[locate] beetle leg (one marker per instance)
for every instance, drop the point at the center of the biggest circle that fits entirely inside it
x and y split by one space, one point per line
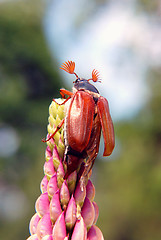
88 166
92 148
107 125
57 129
64 92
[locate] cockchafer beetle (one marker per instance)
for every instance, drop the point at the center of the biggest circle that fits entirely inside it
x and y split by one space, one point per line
86 114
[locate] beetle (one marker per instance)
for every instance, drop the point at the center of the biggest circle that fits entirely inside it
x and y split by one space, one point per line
87 113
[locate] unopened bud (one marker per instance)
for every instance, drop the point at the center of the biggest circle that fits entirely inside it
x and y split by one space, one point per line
71 212
59 229
52 185
49 169
42 204
55 207
44 226
64 195
88 212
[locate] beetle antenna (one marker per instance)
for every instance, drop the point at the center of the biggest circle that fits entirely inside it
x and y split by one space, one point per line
69 67
95 76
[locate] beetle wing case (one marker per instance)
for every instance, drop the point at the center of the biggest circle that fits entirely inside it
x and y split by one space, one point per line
107 125
80 120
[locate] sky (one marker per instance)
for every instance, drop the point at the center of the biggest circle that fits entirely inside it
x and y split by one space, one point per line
112 38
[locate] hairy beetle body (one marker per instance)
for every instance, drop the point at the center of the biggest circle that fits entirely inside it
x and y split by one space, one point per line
87 113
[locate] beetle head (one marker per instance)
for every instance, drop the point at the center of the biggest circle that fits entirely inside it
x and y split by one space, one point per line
83 84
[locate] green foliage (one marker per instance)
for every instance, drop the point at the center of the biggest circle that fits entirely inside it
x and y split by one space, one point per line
132 190
28 82
149 6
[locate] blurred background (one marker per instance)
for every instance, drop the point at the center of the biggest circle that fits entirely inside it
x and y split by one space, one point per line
121 39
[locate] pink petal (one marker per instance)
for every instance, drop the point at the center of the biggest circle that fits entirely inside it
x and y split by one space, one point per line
42 204
90 190
96 212
56 157
48 153
95 233
80 231
51 142
71 214
55 153
79 195
52 185
55 207
33 223
59 229
43 184
44 226
64 195
49 169
88 212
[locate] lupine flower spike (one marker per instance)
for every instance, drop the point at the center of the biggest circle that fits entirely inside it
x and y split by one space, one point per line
65 209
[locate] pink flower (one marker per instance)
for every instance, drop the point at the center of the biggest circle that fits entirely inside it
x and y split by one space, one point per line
64 210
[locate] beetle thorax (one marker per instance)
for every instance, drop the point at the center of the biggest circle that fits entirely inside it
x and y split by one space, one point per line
83 85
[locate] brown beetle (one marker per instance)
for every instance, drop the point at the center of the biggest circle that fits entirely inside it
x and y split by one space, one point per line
87 113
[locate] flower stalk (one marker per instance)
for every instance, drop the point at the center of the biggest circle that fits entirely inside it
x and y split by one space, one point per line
64 210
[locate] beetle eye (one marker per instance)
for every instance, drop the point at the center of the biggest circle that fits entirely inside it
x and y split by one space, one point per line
76 81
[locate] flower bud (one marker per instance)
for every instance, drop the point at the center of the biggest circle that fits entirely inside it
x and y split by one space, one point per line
72 181
43 184
33 223
51 142
56 157
90 190
88 212
49 168
94 233
60 174
59 229
96 212
71 212
42 204
80 231
44 226
48 153
61 147
64 195
55 207
52 185
79 195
